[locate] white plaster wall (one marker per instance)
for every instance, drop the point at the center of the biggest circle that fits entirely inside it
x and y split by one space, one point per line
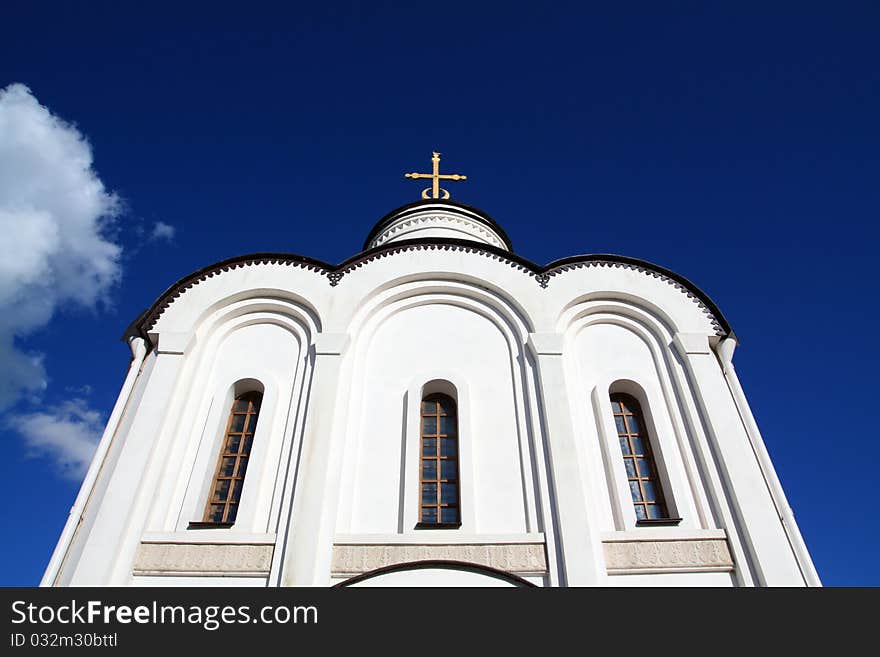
418 344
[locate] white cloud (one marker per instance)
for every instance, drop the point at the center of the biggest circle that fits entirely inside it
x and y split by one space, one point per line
163 231
67 434
55 214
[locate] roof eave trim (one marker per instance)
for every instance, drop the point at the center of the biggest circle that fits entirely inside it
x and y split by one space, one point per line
141 326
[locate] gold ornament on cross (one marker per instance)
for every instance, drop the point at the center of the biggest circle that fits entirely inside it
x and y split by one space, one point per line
435 190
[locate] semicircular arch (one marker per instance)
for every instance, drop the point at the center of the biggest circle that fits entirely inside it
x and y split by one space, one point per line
439 564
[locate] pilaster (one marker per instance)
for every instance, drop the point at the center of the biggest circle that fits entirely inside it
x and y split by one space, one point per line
582 563
759 522
309 533
115 533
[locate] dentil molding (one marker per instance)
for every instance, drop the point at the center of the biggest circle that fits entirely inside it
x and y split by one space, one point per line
450 220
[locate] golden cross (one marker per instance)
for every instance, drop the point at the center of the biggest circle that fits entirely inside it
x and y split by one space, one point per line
435 177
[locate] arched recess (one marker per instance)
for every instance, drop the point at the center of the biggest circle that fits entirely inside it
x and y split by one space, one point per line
439 573
258 339
460 308
613 342
505 304
682 315
281 302
193 306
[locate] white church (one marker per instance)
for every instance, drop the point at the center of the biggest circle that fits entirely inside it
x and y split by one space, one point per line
434 411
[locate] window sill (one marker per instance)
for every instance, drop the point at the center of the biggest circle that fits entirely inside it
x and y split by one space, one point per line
209 525
438 525
658 522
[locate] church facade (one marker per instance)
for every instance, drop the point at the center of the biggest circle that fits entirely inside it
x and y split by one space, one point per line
435 410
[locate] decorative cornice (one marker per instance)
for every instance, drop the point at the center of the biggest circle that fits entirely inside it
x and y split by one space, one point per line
149 317
542 275
446 205
517 558
556 271
448 219
203 559
335 273
435 244
659 556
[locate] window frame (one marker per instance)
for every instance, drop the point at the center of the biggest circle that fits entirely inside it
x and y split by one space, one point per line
422 383
631 406
244 450
438 436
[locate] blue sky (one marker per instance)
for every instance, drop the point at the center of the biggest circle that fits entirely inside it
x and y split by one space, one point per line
736 145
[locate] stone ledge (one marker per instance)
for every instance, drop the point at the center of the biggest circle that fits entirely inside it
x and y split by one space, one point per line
667 556
516 558
203 559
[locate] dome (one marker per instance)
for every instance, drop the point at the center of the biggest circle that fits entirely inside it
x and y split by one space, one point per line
438 218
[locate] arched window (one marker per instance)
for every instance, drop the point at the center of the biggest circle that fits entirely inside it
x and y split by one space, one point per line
222 507
438 463
641 470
